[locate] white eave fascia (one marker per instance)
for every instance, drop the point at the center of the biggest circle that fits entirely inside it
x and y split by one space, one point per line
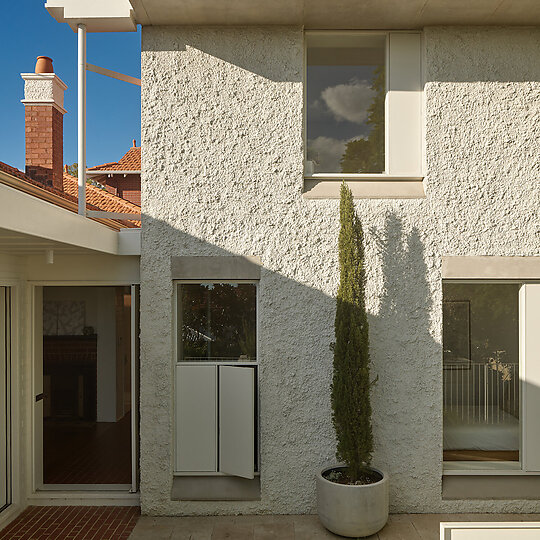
97 15
129 242
29 215
103 171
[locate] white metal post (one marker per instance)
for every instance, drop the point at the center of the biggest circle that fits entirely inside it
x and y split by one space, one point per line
81 116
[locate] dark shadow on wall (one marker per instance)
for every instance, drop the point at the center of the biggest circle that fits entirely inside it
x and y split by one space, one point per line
482 54
406 356
240 47
296 327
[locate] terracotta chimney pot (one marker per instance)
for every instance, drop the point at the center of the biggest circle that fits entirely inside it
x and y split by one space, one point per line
44 65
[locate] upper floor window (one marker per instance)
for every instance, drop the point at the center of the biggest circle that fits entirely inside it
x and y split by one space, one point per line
363 103
346 89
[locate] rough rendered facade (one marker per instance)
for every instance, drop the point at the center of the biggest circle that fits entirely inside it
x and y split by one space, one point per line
222 117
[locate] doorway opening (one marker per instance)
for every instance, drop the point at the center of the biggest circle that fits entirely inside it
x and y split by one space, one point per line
89 407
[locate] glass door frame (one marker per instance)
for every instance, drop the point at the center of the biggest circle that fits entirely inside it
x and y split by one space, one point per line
37 484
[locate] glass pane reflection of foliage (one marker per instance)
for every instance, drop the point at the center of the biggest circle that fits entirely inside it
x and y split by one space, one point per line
367 155
346 92
218 321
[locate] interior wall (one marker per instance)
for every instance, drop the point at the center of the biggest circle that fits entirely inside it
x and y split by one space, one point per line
100 314
494 314
73 268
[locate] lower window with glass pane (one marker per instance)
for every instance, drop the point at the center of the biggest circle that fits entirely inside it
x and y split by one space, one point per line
481 375
216 379
217 321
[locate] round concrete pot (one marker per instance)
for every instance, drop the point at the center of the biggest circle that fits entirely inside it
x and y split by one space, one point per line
352 511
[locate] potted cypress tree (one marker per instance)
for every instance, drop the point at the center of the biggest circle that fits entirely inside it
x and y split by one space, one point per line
352 496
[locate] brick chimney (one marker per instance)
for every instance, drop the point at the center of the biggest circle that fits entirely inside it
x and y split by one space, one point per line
44 123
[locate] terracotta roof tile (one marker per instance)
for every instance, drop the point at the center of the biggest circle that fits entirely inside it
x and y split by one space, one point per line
130 161
22 176
96 198
101 199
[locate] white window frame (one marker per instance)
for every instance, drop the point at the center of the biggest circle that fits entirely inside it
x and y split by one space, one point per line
217 363
396 166
504 468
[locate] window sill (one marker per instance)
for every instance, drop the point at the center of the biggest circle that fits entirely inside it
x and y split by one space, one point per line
364 186
476 468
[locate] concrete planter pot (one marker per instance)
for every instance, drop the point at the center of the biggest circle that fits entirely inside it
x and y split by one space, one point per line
352 511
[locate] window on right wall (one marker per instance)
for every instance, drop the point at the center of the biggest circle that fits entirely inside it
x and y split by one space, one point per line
363 104
491 376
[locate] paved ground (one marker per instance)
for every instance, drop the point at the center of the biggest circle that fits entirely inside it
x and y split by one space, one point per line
74 522
399 527
116 523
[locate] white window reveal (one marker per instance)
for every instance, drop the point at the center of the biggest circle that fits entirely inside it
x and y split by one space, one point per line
363 105
216 379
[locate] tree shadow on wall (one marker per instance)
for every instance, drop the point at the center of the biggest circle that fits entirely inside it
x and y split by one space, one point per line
296 327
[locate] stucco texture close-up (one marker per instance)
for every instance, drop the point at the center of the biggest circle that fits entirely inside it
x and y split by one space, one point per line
222 117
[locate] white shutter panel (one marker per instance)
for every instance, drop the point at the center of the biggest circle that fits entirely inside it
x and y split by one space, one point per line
237 420
404 105
196 419
530 359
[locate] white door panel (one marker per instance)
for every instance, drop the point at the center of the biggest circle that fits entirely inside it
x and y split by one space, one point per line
196 418
236 420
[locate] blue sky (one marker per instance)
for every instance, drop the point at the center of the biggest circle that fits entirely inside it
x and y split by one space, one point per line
113 107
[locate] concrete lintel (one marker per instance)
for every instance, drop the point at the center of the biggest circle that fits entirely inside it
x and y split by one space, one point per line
485 267
226 267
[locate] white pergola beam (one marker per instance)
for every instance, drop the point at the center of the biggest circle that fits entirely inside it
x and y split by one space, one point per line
113 215
81 117
113 74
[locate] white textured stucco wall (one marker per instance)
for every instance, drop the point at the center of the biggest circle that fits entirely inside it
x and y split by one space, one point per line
222 175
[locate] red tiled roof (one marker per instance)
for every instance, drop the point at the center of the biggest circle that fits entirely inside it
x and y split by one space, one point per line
101 199
130 161
21 176
96 198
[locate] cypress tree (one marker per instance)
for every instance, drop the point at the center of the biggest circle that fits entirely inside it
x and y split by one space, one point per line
351 385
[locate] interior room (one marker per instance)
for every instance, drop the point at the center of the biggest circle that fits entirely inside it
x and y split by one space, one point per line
87 385
481 372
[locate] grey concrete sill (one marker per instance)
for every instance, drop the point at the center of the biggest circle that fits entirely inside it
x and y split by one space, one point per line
215 488
365 187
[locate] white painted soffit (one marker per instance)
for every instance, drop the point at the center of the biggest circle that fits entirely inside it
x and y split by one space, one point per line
97 15
23 214
338 14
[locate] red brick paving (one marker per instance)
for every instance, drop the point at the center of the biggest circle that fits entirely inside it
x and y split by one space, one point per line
73 522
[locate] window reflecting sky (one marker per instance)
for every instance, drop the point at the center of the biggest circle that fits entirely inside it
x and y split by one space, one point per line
344 105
